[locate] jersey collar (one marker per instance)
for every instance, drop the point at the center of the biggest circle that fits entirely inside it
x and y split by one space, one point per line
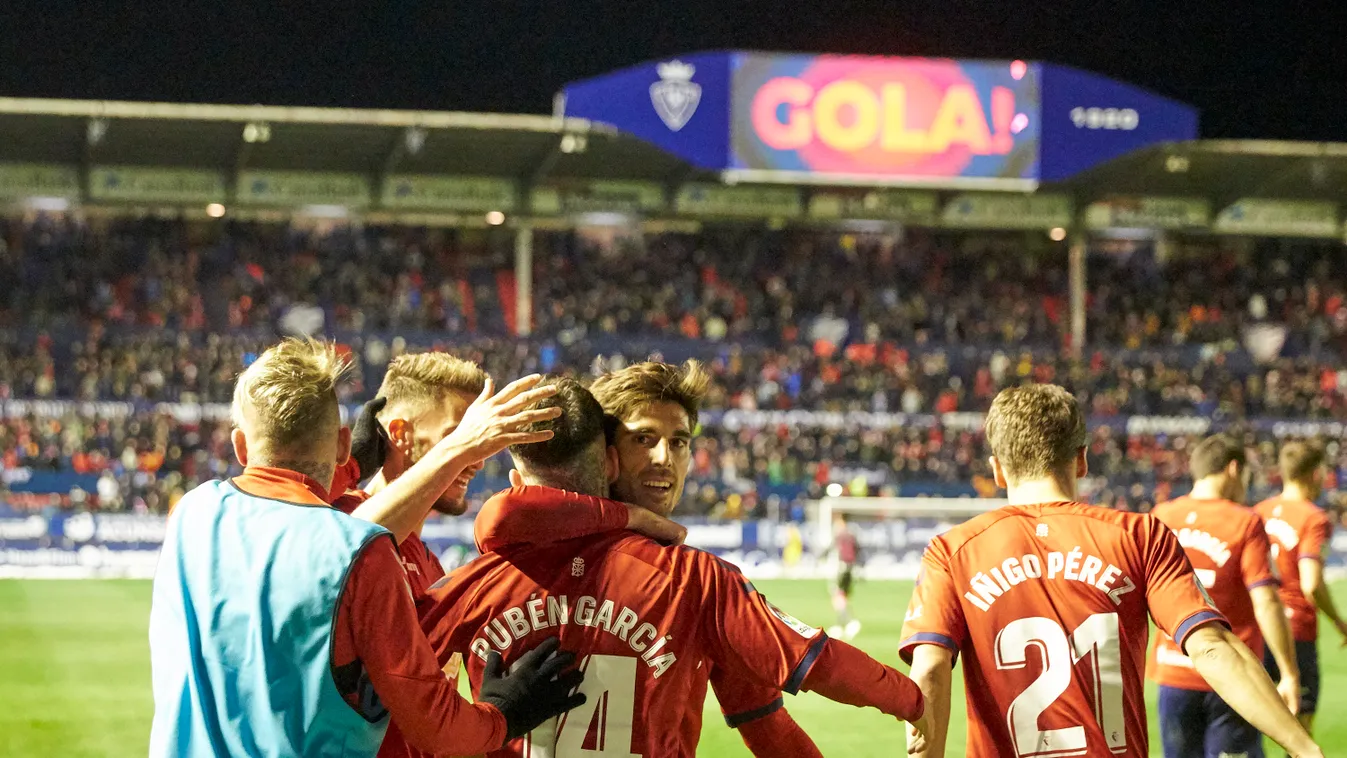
281 484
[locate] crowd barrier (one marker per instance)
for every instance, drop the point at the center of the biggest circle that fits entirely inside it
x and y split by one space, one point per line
87 545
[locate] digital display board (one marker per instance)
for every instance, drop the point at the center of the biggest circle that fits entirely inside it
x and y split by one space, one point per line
869 120
884 118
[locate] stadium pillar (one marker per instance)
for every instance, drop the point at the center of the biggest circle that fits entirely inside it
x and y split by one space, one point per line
1076 272
523 277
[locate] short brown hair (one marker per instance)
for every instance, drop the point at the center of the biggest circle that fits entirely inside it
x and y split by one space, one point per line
570 460
623 392
419 379
1035 430
1213 454
289 394
1299 460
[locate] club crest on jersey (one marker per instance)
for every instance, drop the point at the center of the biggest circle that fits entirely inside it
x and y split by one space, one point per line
675 96
801 628
1041 530
578 567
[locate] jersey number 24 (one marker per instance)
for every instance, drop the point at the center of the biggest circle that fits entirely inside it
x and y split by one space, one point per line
609 711
1096 637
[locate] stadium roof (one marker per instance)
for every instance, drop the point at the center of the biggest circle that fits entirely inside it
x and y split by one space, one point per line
325 139
1220 170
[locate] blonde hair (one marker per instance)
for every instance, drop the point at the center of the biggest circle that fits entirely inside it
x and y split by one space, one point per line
288 396
623 392
1035 430
1299 461
419 379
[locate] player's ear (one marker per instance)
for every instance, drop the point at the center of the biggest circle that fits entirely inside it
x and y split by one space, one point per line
516 478
343 446
400 432
1082 463
240 446
998 473
611 464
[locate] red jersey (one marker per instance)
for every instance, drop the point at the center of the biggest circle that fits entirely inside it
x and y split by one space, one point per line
421 569
1228 547
648 621
1299 531
1047 605
758 712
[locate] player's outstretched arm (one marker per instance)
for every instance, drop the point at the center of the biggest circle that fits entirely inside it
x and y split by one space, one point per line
1276 628
1240 680
932 670
844 674
542 515
492 423
750 638
759 714
1316 590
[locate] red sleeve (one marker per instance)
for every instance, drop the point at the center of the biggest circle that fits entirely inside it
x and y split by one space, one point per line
346 477
1177 601
1317 537
749 637
743 701
846 675
440 610
935 613
1255 561
541 516
386 642
777 734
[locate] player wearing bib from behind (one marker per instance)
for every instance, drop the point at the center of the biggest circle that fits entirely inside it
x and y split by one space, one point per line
1300 532
651 620
1228 547
1047 599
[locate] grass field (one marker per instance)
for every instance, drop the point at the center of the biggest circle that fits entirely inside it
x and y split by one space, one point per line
75 674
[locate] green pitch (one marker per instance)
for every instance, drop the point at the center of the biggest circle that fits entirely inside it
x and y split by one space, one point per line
75 673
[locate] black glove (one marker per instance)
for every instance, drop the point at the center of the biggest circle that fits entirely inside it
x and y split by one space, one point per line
533 692
369 441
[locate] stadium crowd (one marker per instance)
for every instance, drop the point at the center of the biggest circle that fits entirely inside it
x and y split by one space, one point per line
722 283
154 311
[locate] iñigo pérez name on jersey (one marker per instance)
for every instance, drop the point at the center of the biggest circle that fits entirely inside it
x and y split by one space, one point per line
1074 566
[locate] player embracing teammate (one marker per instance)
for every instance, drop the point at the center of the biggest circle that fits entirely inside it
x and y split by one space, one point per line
651 622
1047 602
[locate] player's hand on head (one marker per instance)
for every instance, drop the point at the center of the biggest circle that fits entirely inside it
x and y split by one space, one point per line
497 420
655 526
369 441
539 686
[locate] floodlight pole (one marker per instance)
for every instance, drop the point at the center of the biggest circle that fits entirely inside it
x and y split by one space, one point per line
523 280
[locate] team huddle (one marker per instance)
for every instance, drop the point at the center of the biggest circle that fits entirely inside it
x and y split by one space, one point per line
286 622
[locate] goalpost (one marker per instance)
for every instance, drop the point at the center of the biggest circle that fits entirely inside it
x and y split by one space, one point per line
892 531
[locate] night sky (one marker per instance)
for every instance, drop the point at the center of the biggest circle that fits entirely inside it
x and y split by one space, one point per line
1252 70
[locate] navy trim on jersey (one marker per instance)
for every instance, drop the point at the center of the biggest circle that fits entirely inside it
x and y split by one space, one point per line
932 638
1194 621
796 679
1266 582
736 720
